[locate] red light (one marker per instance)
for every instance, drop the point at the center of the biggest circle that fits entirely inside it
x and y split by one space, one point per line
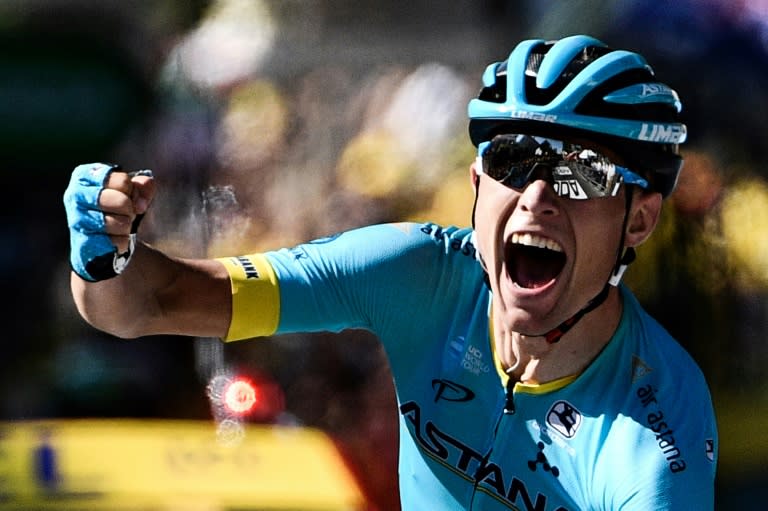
240 396
254 398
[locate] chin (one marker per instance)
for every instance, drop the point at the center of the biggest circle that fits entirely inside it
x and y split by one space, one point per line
520 321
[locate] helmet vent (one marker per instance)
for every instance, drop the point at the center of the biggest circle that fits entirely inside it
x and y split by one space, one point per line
538 96
496 93
534 63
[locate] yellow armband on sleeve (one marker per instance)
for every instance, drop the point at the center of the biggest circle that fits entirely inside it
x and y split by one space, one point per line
255 297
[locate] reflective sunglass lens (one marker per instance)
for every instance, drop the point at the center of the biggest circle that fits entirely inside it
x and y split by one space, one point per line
574 171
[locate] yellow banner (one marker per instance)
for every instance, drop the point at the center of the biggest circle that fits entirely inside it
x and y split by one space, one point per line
145 464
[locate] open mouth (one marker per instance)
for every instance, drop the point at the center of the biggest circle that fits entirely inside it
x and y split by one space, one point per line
533 261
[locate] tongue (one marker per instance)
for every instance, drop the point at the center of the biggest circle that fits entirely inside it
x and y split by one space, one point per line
535 267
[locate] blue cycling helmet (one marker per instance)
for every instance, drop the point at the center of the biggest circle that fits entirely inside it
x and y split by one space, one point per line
579 87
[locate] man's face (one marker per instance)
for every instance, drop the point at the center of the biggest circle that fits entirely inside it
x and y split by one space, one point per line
546 256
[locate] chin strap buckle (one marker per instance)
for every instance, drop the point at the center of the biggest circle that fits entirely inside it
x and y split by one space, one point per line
624 262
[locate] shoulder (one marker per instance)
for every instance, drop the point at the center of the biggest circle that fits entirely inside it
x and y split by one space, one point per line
451 238
654 408
670 402
389 240
419 253
428 233
654 344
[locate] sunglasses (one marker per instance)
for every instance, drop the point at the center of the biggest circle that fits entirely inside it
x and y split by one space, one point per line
574 171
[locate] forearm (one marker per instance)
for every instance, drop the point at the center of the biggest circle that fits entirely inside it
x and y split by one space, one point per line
158 294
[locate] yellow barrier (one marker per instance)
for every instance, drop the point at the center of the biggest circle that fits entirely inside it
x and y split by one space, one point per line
169 465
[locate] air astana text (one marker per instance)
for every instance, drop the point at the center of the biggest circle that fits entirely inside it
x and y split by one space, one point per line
463 459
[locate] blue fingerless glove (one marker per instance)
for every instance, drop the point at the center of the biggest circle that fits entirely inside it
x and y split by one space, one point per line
92 254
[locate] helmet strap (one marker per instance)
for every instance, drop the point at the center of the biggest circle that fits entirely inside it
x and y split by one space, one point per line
626 255
557 333
476 184
624 258
624 262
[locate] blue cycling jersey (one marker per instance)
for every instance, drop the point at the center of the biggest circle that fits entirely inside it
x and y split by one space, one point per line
634 431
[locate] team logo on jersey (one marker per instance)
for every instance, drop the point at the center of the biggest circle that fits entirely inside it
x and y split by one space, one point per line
541 458
451 391
475 468
564 418
639 368
474 362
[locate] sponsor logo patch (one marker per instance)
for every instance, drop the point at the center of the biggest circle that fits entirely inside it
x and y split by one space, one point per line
564 418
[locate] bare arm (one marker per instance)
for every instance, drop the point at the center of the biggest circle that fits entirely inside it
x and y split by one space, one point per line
155 293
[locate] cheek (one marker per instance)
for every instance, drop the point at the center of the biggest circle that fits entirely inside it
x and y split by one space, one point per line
597 239
490 211
484 231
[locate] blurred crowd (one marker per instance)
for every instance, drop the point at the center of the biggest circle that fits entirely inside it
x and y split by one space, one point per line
270 122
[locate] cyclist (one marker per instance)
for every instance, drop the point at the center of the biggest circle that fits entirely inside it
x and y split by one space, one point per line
527 375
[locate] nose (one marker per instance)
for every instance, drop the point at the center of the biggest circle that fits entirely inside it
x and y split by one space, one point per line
539 198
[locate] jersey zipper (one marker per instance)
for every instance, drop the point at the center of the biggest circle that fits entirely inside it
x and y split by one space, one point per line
509 409
509 399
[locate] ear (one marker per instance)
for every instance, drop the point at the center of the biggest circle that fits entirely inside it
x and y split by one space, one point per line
474 176
643 217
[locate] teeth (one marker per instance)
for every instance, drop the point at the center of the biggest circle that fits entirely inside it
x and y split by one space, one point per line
532 240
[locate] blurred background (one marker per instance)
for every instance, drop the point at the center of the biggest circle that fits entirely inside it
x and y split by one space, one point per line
270 122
